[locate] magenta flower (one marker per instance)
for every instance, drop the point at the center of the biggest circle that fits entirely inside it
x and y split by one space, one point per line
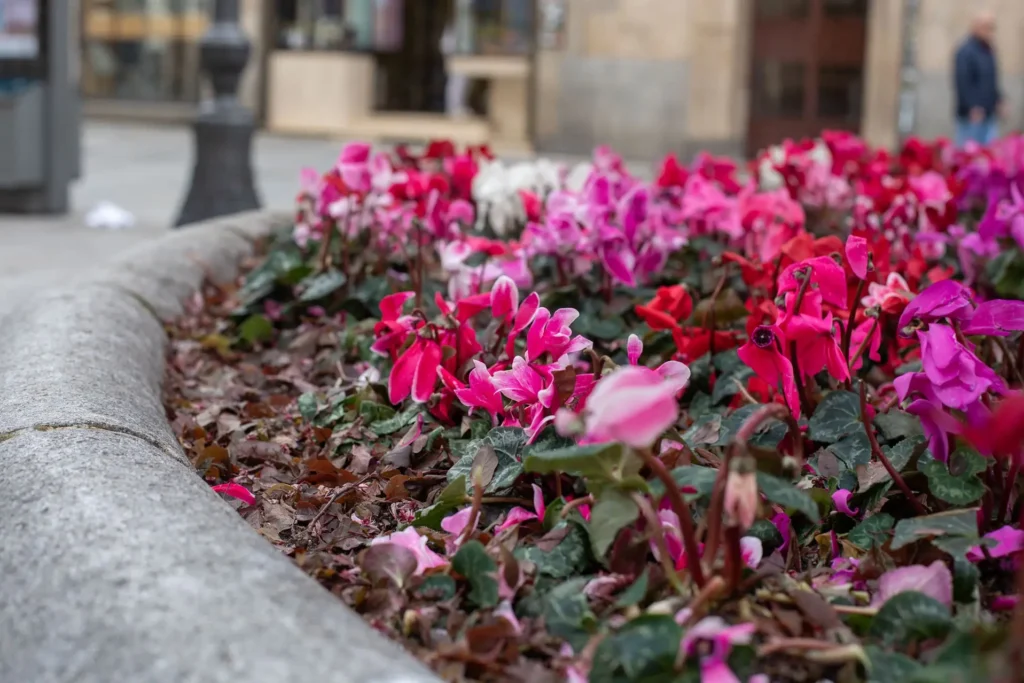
481 392
826 276
714 667
504 298
634 347
456 524
857 343
841 498
410 539
521 383
236 491
935 421
1008 541
944 299
550 333
415 372
816 345
958 376
635 405
518 515
996 318
857 255
751 551
766 356
934 580
354 167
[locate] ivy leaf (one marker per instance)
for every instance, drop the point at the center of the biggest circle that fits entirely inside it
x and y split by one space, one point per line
473 562
508 444
956 489
307 406
953 523
726 385
889 667
567 613
644 648
697 477
599 461
854 450
768 434
781 492
706 430
321 285
838 415
399 421
256 328
872 532
436 587
636 592
903 452
898 424
910 616
567 557
612 511
769 535
388 563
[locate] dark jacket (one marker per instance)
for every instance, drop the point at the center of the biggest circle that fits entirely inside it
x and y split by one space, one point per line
977 78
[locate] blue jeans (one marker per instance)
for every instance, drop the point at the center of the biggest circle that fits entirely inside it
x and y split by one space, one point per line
983 133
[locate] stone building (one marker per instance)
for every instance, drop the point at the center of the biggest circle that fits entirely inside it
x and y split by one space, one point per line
645 76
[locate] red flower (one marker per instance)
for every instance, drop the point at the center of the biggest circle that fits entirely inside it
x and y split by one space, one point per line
764 354
439 149
672 173
531 205
694 342
669 307
1002 432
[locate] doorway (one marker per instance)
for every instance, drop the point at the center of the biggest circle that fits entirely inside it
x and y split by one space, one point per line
412 78
808 69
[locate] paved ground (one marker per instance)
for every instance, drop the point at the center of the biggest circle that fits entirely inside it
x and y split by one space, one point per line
144 169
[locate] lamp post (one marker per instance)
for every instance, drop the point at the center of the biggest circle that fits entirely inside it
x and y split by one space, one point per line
222 178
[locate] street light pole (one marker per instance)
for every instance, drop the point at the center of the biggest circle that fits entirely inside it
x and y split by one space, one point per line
222 178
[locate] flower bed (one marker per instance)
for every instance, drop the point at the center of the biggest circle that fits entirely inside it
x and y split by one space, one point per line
546 424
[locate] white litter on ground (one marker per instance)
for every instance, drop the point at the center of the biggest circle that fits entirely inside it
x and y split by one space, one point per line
109 216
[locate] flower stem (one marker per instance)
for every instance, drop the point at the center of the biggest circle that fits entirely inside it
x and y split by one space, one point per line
848 332
575 503
478 502
682 511
801 390
659 540
1011 479
877 452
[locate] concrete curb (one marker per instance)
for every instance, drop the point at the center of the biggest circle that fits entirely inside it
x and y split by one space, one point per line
117 563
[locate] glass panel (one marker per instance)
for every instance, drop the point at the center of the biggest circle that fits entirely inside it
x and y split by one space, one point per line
356 25
18 29
138 50
493 27
778 9
839 92
845 8
779 89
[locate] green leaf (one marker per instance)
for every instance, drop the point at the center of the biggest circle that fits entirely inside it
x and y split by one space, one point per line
697 477
508 444
769 535
898 424
956 489
256 328
705 430
375 412
965 579
612 511
636 592
889 667
872 532
642 649
726 385
910 616
322 285
953 523
782 492
567 613
835 417
1006 272
307 406
903 452
728 362
568 558
473 562
768 434
854 450
452 497
436 587
606 461
399 421
595 327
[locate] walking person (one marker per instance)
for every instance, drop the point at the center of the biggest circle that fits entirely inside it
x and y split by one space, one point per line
979 102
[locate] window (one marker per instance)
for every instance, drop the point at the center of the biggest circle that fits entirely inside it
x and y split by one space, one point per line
839 92
779 9
494 27
779 89
358 25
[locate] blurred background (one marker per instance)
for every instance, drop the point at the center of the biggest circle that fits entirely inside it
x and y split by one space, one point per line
541 77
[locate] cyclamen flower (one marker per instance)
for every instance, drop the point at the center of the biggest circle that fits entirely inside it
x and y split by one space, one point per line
236 491
857 254
518 515
1008 541
481 392
958 376
415 372
410 539
669 307
714 667
765 354
635 405
934 580
825 275
892 297
550 333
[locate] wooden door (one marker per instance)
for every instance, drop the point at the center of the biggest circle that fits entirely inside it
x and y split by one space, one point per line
808 69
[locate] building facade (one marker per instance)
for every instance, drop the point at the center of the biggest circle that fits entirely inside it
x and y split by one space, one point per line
644 76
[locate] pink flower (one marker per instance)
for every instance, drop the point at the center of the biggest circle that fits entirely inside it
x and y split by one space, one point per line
353 165
841 498
518 515
504 298
741 499
996 318
825 274
816 345
235 491
415 372
766 354
751 551
945 299
714 667
522 383
935 581
635 405
858 338
456 524
1008 541
410 539
936 423
481 392
958 376
550 333
857 255
634 347
892 297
